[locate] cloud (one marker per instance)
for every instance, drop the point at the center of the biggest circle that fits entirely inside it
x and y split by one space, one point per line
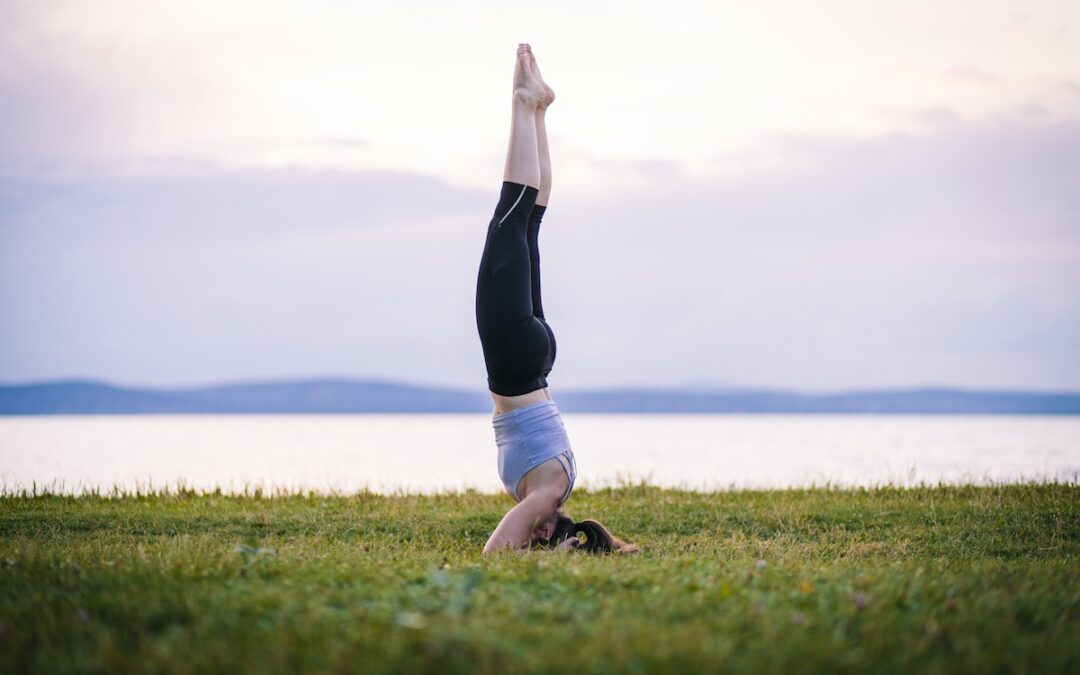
971 75
215 274
340 142
680 247
948 258
89 85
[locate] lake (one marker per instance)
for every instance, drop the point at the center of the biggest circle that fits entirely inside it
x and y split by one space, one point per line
427 453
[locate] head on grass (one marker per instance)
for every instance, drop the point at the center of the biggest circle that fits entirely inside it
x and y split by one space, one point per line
591 535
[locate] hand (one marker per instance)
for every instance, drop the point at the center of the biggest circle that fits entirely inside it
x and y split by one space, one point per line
568 543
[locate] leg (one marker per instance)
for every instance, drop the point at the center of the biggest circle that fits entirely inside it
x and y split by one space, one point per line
533 237
544 192
518 349
541 135
523 154
545 158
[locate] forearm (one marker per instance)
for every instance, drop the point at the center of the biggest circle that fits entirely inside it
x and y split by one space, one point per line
514 531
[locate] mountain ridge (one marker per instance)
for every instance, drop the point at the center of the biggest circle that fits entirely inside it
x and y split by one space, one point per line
344 395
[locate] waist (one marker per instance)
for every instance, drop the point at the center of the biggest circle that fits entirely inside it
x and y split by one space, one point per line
507 404
527 416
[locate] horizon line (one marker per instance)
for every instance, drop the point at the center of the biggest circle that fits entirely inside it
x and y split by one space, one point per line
667 389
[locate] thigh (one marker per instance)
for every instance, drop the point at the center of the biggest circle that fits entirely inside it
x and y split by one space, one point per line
516 349
505 291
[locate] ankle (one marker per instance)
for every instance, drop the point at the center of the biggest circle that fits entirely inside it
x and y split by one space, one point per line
526 98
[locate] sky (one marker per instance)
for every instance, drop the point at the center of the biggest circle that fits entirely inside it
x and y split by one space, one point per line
820 197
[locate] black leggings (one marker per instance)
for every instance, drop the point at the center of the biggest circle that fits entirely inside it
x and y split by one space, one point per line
519 347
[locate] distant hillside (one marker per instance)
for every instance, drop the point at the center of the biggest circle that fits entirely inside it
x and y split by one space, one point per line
926 401
359 396
311 396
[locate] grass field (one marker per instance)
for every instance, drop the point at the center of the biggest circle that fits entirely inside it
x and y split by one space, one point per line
926 580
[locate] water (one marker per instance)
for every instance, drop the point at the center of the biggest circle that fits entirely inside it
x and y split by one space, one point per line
425 453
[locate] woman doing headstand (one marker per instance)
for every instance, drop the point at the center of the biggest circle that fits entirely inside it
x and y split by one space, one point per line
536 463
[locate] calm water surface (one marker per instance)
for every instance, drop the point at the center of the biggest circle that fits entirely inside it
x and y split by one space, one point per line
443 452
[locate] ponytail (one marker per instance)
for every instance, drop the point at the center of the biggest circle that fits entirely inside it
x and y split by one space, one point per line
598 539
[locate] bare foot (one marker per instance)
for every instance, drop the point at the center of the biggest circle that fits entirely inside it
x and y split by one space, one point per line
528 89
549 94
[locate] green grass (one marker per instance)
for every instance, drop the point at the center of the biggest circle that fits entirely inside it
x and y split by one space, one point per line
926 580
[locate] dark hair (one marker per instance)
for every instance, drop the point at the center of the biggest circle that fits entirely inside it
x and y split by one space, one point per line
598 539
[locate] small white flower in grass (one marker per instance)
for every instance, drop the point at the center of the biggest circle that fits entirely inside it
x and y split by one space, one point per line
761 564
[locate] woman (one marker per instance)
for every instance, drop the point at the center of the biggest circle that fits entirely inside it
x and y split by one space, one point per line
536 463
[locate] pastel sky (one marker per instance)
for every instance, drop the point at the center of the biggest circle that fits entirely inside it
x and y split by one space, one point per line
816 196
